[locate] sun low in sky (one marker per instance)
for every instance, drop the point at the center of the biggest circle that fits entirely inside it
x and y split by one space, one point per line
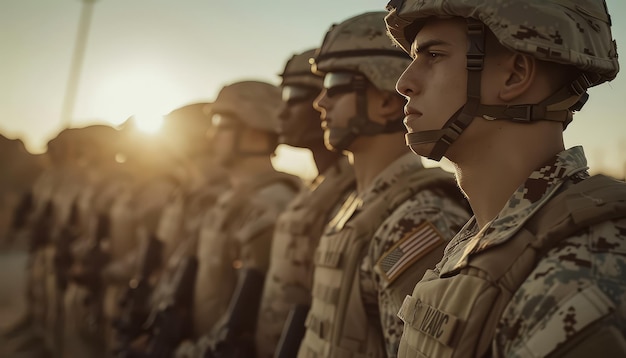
149 123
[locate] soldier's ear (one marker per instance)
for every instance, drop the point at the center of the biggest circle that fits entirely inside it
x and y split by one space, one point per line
520 76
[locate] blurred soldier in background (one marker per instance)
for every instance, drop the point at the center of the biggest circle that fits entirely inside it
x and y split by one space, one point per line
104 178
19 171
155 322
53 228
36 228
397 223
134 218
540 269
235 236
299 227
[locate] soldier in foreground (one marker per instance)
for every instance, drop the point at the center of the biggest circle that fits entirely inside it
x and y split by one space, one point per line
539 270
398 221
288 286
235 236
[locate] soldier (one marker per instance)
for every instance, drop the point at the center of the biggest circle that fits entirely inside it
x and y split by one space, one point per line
163 321
104 180
134 218
299 227
54 228
235 236
20 169
401 216
539 270
37 228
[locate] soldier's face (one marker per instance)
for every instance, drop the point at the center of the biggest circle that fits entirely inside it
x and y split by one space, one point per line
336 110
223 146
434 84
299 121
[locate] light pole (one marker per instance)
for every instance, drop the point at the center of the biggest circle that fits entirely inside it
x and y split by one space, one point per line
67 111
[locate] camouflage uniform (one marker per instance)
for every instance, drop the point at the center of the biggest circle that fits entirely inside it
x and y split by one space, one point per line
134 216
287 289
297 233
388 233
236 233
84 330
545 276
551 306
36 231
384 268
62 235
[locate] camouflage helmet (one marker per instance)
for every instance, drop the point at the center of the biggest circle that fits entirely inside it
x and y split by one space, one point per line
297 71
189 118
92 142
254 103
188 128
360 44
573 32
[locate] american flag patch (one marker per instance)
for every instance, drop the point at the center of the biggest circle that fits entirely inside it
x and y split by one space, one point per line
409 249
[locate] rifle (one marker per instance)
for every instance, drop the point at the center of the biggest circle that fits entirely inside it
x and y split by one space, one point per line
170 323
135 302
235 338
292 333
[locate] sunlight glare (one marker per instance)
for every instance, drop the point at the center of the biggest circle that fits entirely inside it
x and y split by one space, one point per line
144 92
148 123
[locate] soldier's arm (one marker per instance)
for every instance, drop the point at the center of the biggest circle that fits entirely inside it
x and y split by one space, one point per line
572 304
411 241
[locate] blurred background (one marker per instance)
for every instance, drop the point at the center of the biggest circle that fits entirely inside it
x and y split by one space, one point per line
147 57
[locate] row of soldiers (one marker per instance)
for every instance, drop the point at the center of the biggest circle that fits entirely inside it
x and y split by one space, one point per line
199 248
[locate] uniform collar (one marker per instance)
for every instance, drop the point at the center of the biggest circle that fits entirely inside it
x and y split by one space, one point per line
407 163
529 197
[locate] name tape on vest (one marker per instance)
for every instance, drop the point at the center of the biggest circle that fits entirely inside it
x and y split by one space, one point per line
429 320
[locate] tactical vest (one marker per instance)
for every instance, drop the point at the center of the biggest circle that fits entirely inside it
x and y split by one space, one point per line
297 232
337 325
217 253
456 315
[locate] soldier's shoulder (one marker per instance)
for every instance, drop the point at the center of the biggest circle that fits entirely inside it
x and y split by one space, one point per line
575 286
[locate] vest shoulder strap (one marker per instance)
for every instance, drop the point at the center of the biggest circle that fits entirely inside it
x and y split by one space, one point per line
425 178
243 194
584 204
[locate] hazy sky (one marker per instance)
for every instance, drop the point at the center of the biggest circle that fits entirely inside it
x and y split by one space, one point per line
151 56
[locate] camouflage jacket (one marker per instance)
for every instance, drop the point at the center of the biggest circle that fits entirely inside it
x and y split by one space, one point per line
385 238
295 238
543 306
387 273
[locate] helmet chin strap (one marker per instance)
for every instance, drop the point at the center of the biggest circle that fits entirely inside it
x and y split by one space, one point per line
360 124
557 107
462 118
